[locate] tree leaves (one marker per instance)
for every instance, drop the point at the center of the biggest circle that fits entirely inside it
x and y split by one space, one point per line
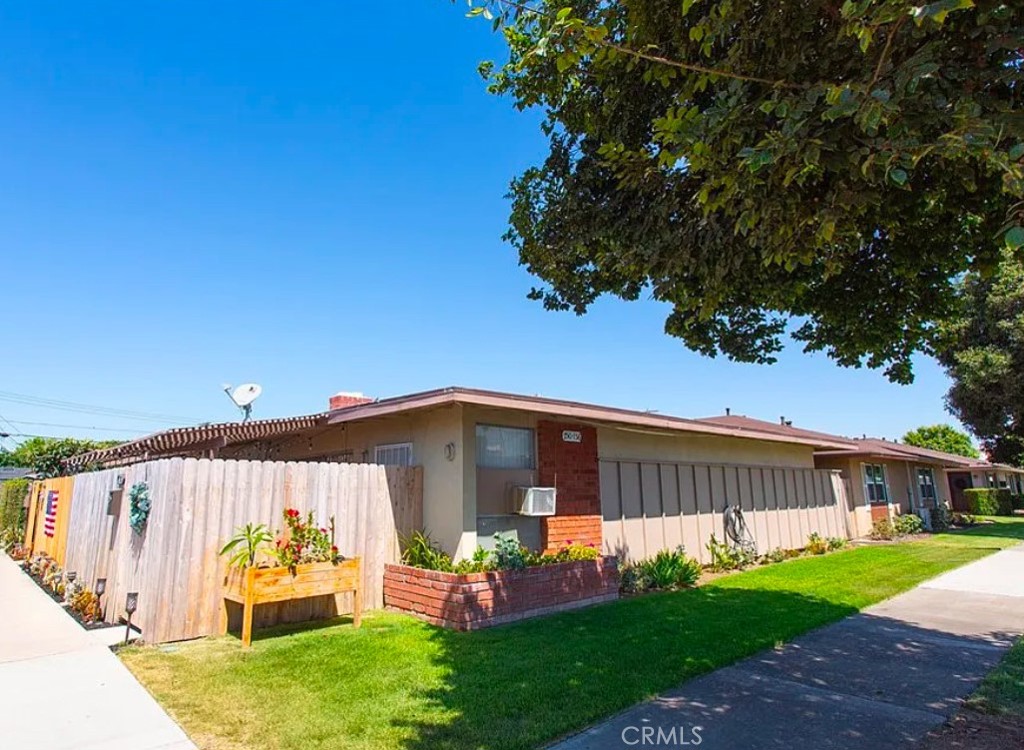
749 165
982 349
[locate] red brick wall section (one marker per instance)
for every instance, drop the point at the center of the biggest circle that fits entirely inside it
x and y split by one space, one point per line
345 400
570 467
557 532
879 511
480 600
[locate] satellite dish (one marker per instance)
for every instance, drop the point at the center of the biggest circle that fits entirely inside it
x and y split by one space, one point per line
243 396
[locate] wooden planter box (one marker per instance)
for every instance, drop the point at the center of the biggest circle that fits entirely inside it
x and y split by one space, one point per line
479 600
253 586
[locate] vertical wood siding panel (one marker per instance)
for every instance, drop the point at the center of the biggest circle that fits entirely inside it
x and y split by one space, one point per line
654 525
671 506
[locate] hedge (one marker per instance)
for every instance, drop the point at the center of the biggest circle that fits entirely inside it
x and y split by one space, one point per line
12 501
989 501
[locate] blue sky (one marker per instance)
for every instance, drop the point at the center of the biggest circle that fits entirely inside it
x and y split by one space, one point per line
310 196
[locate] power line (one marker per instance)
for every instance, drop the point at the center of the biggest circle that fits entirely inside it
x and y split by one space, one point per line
73 406
13 422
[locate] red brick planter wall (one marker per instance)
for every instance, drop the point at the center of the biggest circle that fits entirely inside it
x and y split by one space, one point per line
480 600
557 532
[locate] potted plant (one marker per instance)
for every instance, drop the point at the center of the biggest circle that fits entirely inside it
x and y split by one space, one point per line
303 561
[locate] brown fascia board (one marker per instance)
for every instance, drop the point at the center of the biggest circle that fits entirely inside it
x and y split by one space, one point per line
559 408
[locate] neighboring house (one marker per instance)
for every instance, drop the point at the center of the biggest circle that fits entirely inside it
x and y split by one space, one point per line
632 482
14 472
884 478
887 478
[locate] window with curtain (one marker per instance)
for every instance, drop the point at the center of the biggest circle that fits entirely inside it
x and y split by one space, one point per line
926 484
874 483
504 447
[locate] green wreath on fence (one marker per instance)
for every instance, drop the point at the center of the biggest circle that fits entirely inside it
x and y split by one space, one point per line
139 506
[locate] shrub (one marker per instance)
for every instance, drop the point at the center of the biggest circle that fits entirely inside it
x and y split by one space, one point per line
86 604
509 554
631 579
577 551
964 519
942 518
908 524
776 555
835 542
669 569
304 542
246 544
12 511
727 557
989 501
480 562
420 551
883 529
816 545
1017 502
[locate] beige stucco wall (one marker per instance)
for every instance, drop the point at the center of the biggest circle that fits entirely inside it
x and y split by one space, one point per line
450 522
901 477
629 444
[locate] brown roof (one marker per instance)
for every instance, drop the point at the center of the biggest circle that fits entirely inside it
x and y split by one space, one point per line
903 452
184 440
578 411
741 422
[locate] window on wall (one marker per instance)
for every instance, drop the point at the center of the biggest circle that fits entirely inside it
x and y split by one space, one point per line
393 454
926 484
991 480
504 447
874 483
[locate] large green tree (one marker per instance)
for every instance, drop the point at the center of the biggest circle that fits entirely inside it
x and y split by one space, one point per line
982 350
46 456
942 437
823 167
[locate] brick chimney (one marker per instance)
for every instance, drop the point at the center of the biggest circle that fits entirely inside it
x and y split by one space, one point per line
345 399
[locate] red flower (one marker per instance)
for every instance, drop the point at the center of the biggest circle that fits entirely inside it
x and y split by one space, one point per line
334 548
323 531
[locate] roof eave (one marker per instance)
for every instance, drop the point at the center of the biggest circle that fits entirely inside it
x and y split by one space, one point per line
554 407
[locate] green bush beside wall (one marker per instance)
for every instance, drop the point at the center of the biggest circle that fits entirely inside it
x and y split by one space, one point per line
12 501
989 501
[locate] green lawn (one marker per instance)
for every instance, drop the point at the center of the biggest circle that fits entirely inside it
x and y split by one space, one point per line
398 683
1002 692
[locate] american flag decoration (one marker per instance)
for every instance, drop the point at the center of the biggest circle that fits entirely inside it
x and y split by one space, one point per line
50 522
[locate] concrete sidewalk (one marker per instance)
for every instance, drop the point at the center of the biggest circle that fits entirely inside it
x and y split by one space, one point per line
880 679
61 688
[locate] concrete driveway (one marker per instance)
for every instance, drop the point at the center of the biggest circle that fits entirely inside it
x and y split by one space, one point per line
60 687
880 679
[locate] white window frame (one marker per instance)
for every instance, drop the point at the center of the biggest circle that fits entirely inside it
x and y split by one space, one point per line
922 498
884 485
382 454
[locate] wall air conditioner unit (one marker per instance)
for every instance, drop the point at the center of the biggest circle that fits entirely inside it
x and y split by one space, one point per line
535 501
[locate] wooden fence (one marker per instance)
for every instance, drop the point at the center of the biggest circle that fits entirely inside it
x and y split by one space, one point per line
59 491
653 506
197 504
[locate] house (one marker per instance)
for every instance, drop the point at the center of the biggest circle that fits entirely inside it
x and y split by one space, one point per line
631 482
884 478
